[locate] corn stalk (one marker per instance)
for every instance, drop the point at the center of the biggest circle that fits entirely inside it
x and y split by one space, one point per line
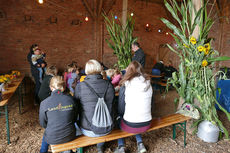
120 40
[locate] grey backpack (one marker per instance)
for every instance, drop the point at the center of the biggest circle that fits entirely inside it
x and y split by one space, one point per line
102 122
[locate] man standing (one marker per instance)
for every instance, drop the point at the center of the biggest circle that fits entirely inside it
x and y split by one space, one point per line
139 55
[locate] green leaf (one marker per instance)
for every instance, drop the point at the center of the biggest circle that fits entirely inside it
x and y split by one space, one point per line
221 58
177 31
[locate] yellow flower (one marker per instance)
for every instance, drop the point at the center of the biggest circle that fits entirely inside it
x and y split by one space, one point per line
204 63
193 40
1 80
207 46
185 45
206 51
200 48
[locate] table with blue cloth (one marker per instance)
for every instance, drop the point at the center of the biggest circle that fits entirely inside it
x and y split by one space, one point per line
223 94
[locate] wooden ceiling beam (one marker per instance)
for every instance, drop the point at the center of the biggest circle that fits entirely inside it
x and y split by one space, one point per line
89 9
100 7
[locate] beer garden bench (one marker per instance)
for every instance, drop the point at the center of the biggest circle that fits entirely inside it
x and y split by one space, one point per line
176 120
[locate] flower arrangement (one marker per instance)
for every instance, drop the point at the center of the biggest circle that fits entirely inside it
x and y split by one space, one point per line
195 79
8 77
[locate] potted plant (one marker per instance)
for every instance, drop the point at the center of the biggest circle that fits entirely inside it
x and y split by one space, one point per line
121 39
195 79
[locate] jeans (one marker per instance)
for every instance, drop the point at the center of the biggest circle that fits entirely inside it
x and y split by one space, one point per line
121 140
45 146
41 71
92 134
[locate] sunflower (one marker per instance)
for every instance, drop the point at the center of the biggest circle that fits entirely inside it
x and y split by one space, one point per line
204 63
200 48
193 40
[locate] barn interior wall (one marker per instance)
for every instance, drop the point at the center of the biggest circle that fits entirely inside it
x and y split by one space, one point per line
61 31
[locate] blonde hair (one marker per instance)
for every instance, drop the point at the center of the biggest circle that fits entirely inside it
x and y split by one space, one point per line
93 67
51 70
110 72
57 83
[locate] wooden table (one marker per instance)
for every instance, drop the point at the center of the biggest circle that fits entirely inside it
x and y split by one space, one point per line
156 76
6 95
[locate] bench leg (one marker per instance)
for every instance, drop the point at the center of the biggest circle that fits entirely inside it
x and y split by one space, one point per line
181 126
7 125
79 150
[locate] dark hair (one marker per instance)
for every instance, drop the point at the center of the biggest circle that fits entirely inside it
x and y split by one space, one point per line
32 48
134 70
136 44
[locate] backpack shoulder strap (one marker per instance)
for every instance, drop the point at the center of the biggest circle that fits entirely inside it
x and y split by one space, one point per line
107 86
92 90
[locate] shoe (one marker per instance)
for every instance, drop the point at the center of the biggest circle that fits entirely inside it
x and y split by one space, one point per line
100 149
120 149
141 148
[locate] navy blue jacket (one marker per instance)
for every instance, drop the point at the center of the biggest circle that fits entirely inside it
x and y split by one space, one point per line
57 115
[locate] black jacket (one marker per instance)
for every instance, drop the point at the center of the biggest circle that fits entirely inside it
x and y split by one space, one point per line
45 91
57 115
88 100
139 56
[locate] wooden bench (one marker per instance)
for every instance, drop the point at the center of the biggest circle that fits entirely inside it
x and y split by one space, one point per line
83 141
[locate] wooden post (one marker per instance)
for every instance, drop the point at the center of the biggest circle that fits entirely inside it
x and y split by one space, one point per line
124 12
197 5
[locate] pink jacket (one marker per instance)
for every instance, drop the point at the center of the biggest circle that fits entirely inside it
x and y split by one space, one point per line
116 79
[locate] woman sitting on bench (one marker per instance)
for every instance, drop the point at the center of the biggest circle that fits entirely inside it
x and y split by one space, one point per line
57 115
134 106
87 93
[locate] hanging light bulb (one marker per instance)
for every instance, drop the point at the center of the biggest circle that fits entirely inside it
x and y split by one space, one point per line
40 1
86 18
115 17
131 14
167 33
147 25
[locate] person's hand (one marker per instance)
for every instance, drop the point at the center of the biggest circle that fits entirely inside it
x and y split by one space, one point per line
38 65
43 65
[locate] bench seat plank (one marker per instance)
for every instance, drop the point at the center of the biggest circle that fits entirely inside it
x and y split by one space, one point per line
83 141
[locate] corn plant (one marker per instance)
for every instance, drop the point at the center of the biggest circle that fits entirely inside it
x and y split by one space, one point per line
120 40
195 78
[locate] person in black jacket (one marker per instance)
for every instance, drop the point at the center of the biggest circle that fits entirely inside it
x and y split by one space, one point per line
57 115
139 55
88 99
35 73
45 91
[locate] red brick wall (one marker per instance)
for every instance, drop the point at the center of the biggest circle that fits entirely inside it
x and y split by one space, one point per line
64 42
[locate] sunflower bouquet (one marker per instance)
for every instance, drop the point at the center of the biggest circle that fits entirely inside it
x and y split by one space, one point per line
195 80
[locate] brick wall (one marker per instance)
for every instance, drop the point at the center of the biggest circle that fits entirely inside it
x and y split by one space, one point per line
26 22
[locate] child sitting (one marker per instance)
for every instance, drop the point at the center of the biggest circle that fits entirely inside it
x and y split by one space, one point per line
38 60
116 78
71 79
109 74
